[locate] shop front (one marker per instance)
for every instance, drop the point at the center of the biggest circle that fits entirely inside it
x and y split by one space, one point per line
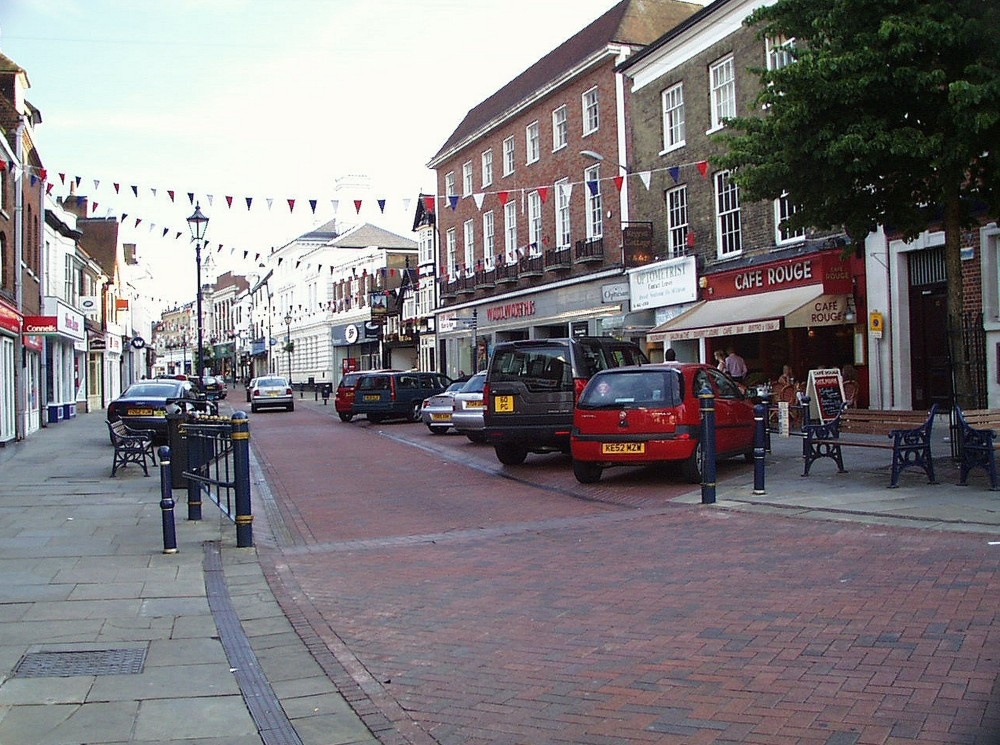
355 347
800 311
466 333
10 329
63 330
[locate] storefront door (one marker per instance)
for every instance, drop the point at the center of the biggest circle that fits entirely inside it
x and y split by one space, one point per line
929 356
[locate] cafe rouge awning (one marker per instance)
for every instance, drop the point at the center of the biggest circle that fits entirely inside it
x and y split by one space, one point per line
755 313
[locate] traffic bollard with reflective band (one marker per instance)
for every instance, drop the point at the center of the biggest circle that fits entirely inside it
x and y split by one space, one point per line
759 447
167 503
241 474
707 400
196 458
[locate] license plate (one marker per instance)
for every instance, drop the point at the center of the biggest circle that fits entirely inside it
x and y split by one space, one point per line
440 417
475 405
632 448
372 397
140 412
273 394
503 404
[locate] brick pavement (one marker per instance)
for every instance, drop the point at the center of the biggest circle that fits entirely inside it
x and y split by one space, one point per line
493 611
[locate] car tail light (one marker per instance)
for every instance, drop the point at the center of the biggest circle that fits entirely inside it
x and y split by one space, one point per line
288 391
486 392
578 385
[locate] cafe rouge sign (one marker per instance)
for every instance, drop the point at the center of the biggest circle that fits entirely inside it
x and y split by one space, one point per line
827 269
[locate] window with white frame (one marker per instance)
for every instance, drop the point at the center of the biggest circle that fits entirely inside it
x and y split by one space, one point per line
470 247
451 252
783 209
722 84
467 185
449 183
673 117
535 221
677 221
510 230
69 279
487 168
779 53
426 242
562 213
531 144
595 208
560 128
489 239
591 112
508 156
729 227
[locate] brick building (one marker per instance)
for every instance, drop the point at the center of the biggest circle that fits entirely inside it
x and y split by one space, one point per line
530 209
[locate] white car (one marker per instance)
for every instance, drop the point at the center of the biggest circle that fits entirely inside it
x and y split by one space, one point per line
467 409
435 411
271 391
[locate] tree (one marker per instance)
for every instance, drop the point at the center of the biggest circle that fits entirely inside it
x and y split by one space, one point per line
888 114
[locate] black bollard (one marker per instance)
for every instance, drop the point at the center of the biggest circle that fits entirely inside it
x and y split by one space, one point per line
241 476
167 503
759 447
707 400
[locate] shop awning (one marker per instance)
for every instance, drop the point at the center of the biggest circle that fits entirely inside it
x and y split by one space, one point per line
750 314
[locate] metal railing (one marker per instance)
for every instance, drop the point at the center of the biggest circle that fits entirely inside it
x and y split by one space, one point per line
216 465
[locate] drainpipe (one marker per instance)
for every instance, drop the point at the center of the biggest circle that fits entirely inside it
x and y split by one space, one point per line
20 374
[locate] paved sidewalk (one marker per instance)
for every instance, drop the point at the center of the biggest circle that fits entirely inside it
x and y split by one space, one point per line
106 639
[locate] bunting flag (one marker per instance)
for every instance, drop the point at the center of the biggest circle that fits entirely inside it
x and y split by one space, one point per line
48 188
135 190
690 239
702 166
543 193
249 202
595 187
229 202
270 202
191 198
312 205
291 204
357 206
453 201
478 199
381 206
335 203
170 193
645 176
62 178
675 173
429 203
619 180
503 196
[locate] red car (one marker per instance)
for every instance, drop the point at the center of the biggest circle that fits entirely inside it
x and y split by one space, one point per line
651 414
343 400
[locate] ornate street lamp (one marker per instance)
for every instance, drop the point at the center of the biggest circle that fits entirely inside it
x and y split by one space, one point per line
198 224
288 345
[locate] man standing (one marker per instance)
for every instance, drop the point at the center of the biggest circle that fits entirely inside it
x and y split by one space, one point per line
736 366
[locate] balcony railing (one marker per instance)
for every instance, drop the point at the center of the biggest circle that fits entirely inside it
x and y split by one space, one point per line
486 278
589 250
531 266
558 258
466 284
506 273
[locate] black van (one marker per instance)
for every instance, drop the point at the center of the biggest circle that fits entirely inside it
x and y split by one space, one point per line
532 386
395 395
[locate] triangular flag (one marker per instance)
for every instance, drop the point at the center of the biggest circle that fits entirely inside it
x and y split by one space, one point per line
478 199
690 239
503 196
312 205
357 206
116 187
702 167
429 203
543 193
381 205
249 202
229 202
453 201
97 184
645 176
170 193
62 177
269 201
291 204
567 190
153 190
43 174
165 231
619 180
594 187
210 198
48 188
406 204
190 195
94 209
135 190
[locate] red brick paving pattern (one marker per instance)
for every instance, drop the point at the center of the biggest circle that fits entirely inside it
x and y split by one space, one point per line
541 618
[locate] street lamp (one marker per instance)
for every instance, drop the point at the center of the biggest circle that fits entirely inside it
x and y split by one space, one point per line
198 223
288 345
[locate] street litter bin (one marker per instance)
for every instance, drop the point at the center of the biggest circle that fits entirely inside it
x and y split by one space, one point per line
178 448
327 390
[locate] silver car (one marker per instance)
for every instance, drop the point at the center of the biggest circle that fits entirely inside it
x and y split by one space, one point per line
467 409
271 391
435 411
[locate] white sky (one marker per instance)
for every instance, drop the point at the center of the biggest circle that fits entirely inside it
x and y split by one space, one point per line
264 99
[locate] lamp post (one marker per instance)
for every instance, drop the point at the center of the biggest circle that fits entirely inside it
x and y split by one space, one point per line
198 223
288 345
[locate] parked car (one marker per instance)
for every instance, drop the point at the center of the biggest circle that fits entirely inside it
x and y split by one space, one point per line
343 400
143 405
531 387
652 414
467 409
249 387
435 411
271 391
395 395
210 385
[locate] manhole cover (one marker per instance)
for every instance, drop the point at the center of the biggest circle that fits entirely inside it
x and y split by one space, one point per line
92 662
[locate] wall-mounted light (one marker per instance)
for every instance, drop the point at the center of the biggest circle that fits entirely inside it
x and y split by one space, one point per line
703 282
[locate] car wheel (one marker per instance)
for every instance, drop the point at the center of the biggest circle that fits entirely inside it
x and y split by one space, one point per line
415 412
346 417
437 430
510 455
253 409
291 407
477 437
692 468
587 472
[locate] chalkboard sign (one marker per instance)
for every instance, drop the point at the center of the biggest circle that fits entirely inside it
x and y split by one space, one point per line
825 389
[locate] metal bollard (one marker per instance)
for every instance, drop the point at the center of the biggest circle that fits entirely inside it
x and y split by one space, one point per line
167 503
241 475
196 458
759 447
707 400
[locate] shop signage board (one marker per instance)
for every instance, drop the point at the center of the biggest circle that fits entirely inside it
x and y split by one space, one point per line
665 283
825 388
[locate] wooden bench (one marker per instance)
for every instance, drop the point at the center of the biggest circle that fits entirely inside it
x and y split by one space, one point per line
131 446
977 434
910 432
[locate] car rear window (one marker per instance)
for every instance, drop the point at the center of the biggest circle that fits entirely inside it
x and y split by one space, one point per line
154 390
539 368
267 382
645 388
373 382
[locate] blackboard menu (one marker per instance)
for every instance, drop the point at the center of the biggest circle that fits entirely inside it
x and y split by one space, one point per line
825 389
